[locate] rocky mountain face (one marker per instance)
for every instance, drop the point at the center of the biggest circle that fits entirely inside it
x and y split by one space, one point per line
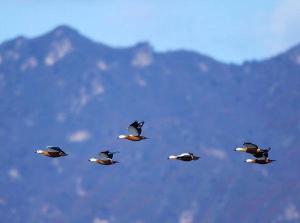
64 89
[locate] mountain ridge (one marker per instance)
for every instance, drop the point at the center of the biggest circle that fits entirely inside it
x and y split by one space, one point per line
69 32
81 97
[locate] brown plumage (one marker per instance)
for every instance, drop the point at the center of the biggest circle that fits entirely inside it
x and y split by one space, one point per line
135 138
254 150
104 158
105 162
52 151
135 130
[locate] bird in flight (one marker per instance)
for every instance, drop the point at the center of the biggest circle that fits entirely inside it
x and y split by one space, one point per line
184 157
52 151
262 160
261 155
254 150
104 158
135 131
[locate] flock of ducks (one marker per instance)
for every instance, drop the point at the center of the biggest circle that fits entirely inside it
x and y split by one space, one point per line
261 155
135 130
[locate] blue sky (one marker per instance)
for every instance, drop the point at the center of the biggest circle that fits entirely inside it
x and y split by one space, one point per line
228 30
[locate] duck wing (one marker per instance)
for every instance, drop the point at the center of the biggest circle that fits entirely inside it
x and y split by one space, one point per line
135 128
250 145
111 154
185 155
54 149
104 155
266 153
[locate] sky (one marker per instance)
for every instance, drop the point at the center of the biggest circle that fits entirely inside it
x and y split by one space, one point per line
228 30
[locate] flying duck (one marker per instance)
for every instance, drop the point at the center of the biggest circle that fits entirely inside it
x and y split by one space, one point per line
104 158
52 151
254 150
184 157
262 160
135 130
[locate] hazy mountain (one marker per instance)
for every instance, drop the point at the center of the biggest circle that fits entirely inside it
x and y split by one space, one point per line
64 89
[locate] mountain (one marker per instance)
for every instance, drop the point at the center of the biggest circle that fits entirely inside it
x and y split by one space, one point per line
64 89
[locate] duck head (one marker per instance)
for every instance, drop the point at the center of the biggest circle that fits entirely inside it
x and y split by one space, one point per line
123 136
250 161
93 160
172 157
39 151
240 149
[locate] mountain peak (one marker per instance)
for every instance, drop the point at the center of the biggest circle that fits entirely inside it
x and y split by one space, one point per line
143 45
63 31
64 34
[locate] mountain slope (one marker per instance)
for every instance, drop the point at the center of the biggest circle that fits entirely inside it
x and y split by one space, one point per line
63 89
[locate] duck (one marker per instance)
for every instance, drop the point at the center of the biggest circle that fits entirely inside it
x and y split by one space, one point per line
52 151
184 157
261 155
262 160
135 131
104 158
254 150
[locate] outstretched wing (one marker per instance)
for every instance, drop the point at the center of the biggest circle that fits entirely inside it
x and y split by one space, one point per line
266 153
54 149
250 145
184 154
111 154
104 155
135 128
